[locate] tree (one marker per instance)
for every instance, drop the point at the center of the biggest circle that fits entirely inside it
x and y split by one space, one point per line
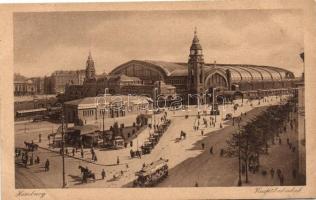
248 140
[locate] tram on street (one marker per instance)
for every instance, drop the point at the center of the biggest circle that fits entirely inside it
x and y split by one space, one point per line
152 174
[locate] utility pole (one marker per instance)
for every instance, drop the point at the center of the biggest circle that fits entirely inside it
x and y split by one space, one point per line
103 127
239 160
63 152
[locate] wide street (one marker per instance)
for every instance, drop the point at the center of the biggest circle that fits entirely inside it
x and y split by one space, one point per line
188 163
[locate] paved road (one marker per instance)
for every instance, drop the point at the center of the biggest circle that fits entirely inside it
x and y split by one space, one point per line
176 152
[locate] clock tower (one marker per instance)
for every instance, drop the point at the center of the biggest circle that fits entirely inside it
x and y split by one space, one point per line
196 67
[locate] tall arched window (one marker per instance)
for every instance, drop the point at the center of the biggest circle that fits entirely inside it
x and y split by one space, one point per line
216 80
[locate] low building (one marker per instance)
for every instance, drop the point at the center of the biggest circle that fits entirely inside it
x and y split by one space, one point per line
89 109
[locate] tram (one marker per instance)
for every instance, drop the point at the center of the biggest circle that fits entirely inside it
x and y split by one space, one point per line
152 174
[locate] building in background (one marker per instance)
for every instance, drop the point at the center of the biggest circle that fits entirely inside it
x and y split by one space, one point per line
23 88
59 80
196 76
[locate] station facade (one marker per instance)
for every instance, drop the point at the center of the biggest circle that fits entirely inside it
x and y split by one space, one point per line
150 78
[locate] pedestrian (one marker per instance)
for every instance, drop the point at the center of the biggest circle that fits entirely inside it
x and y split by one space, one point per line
40 138
290 145
222 152
73 152
202 132
95 158
211 150
131 143
67 151
37 160
126 166
47 165
272 172
279 173
117 160
196 184
31 160
203 145
81 153
103 174
281 179
220 125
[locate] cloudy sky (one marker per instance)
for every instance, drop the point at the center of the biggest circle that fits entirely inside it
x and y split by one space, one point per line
45 42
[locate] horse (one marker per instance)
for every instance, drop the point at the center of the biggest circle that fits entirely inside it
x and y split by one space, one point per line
31 146
86 174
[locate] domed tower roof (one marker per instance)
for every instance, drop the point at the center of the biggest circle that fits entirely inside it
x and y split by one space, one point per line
195 42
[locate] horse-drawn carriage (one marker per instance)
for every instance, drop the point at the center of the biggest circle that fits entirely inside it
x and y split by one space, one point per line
31 146
86 174
136 153
147 147
152 174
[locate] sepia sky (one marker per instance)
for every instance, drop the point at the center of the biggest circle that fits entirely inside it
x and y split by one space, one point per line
45 42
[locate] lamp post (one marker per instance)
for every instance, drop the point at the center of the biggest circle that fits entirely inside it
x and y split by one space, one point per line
63 152
239 159
214 103
155 105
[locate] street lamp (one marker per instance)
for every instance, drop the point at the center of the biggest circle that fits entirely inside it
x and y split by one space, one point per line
239 160
62 147
155 105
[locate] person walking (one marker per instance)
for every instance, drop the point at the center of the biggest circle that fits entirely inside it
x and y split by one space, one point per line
281 179
272 172
211 150
31 160
73 152
202 132
279 173
103 174
203 145
117 160
47 165
37 160
81 153
40 138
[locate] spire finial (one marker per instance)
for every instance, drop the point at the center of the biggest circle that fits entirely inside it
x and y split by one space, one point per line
90 56
195 30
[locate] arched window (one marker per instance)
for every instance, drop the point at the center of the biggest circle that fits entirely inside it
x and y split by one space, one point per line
216 80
